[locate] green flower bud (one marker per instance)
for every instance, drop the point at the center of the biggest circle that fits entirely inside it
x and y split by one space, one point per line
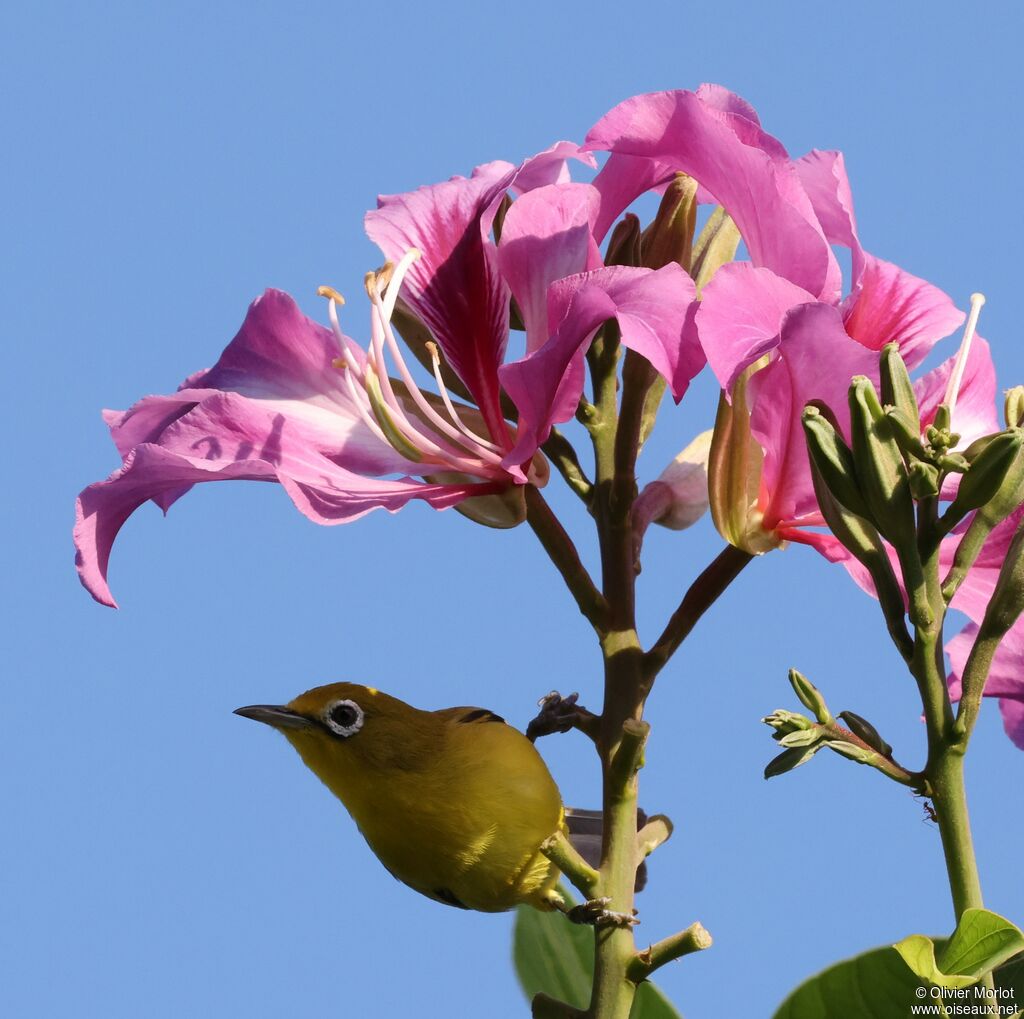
862 728
669 238
857 534
924 480
880 468
624 243
986 476
790 759
1007 600
787 721
832 460
715 245
802 738
897 389
853 751
1014 407
905 430
810 696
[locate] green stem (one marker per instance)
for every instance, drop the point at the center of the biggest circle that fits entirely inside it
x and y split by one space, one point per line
703 592
563 554
950 799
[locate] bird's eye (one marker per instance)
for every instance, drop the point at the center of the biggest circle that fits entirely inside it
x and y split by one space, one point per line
344 718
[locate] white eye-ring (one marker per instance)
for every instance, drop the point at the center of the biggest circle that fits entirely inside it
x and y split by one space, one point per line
344 718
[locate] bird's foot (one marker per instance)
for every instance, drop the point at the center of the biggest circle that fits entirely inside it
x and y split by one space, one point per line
559 714
596 914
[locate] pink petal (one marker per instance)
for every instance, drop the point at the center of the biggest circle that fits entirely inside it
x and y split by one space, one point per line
651 307
546 236
230 437
1012 709
892 306
823 175
740 315
455 287
717 142
815 360
550 166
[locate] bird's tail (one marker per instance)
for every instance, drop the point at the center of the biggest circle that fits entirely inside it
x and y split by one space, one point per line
586 828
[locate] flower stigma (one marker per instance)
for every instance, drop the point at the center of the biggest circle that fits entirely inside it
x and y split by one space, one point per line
956 376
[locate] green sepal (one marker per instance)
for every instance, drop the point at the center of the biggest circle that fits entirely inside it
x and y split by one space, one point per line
897 389
982 941
802 737
810 697
985 478
880 468
863 729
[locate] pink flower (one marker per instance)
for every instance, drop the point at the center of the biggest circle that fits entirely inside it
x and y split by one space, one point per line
785 307
293 402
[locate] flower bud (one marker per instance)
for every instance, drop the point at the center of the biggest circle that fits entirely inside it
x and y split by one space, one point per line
790 759
734 473
1015 407
832 460
679 498
810 696
880 468
853 751
624 243
897 389
715 245
924 480
857 534
669 238
784 722
1007 602
863 729
988 473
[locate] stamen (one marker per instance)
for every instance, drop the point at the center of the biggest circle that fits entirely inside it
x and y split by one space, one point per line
956 377
395 282
382 326
435 358
331 294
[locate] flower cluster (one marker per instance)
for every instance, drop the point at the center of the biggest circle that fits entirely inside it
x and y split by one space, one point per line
346 430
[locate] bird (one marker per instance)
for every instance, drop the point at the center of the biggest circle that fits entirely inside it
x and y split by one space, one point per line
455 803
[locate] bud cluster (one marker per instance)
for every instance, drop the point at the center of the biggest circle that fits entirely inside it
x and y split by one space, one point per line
889 484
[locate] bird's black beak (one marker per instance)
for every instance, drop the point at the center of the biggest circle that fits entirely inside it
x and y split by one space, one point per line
275 715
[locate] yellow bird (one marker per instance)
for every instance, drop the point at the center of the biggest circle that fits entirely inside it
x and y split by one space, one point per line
455 803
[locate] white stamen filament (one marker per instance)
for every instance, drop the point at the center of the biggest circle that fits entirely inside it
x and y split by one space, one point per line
956 377
485 456
442 389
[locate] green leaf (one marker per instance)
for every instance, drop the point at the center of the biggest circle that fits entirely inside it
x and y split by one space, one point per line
557 957
875 985
878 985
982 941
918 952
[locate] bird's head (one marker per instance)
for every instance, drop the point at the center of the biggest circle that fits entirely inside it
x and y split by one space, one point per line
351 736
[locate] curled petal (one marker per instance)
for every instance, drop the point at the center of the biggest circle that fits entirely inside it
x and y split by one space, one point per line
740 317
547 235
651 307
716 141
232 438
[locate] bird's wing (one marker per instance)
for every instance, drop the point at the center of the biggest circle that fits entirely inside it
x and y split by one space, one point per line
468 715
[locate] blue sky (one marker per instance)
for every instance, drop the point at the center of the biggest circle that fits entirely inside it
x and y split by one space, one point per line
166 162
